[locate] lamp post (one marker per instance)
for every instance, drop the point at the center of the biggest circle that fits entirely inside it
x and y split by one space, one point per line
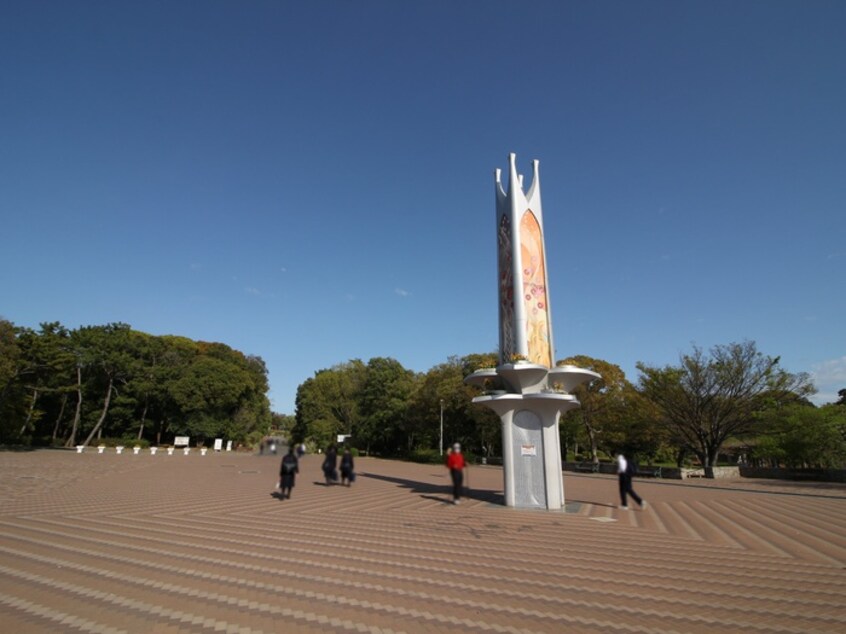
442 427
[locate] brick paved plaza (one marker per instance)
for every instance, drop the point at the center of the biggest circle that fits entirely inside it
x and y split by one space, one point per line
178 544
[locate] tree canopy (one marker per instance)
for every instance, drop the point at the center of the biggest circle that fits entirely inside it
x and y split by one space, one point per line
65 386
60 386
710 397
390 410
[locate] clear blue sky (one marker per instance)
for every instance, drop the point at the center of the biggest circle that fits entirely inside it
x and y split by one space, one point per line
312 182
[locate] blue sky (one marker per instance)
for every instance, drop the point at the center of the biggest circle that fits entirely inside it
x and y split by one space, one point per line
312 182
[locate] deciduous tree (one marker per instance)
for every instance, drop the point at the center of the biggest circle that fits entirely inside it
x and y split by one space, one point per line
710 397
603 401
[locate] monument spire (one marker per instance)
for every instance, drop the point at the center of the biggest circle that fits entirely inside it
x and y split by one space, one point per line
537 391
525 318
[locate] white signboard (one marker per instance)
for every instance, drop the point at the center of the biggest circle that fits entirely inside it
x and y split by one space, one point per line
181 441
218 444
228 445
528 450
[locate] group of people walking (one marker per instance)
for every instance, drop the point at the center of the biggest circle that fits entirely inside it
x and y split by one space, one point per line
330 467
455 463
290 467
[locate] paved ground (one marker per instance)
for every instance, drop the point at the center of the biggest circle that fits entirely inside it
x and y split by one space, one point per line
179 544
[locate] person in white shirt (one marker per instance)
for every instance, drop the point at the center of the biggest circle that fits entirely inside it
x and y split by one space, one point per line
625 470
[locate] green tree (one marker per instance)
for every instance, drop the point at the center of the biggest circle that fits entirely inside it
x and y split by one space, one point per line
114 378
604 404
484 432
385 399
107 352
329 403
207 394
283 424
804 436
709 398
176 356
12 397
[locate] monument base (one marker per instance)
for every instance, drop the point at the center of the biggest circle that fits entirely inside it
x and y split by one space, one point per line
531 448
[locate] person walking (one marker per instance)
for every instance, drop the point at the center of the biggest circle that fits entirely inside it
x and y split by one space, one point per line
625 470
455 463
288 470
330 465
347 468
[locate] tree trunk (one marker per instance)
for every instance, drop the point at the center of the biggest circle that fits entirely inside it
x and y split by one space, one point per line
72 438
31 410
594 450
105 411
712 455
59 417
163 425
143 419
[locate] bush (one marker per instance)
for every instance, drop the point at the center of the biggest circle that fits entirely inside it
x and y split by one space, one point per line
253 439
428 456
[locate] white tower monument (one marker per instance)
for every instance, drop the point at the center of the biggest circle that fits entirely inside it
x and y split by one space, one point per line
537 391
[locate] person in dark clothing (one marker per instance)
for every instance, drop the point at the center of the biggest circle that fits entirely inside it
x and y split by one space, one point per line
330 465
347 468
625 471
288 470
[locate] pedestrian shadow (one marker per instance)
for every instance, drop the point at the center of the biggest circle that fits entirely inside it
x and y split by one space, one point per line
428 489
438 498
592 503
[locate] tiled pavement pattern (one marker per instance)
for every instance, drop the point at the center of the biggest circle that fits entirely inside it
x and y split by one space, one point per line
179 544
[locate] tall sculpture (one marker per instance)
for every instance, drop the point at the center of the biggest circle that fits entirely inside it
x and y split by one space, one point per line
536 391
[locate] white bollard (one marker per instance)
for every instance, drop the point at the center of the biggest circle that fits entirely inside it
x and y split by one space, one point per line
80 448
186 451
119 449
136 450
170 451
153 450
101 448
203 451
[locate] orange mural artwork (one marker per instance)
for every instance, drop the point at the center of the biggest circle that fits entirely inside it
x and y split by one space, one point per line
534 290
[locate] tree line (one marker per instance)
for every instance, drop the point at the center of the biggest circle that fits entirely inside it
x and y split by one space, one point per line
66 387
729 399
388 410
61 386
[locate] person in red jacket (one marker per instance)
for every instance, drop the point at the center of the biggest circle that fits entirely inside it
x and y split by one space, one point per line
455 464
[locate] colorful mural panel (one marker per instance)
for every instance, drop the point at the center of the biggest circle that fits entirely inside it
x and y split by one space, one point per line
506 289
534 290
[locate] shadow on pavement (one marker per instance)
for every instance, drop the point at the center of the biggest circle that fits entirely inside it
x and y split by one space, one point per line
437 498
444 490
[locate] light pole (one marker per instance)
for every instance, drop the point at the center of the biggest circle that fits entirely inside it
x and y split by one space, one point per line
442 427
